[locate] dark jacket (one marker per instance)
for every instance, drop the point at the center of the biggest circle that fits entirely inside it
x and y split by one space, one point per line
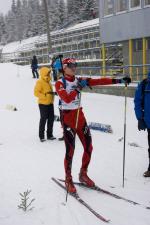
34 63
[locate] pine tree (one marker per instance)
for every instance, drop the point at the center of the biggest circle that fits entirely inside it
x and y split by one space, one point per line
26 18
11 26
13 7
19 21
71 8
33 13
3 33
82 9
61 13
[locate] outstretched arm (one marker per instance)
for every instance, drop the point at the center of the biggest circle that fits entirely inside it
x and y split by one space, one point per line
104 81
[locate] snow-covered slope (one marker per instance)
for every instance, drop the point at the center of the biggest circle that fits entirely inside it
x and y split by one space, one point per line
26 163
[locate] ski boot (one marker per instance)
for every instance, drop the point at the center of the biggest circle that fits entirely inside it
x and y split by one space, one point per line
69 185
83 178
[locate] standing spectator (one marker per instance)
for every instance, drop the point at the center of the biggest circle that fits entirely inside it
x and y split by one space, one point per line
73 120
142 111
34 67
56 65
44 91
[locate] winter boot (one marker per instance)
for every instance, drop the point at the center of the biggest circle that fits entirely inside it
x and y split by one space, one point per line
61 138
146 173
69 184
51 138
42 139
83 178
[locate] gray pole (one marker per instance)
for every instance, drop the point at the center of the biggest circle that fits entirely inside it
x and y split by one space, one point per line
48 26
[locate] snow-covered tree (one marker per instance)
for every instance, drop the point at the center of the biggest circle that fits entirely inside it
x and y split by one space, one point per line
3 33
13 7
62 13
82 9
26 18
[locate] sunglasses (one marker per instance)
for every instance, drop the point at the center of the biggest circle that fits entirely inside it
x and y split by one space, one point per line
71 65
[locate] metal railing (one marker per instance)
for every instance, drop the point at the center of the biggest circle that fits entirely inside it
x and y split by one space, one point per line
116 71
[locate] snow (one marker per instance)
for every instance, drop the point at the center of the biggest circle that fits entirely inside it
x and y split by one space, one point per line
89 23
26 163
25 44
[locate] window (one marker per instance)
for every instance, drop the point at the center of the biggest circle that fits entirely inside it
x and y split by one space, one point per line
122 5
74 47
96 34
85 36
147 2
148 43
135 3
108 7
81 46
137 45
93 44
91 35
86 44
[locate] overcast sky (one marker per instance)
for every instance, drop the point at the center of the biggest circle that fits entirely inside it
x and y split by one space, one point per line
5 6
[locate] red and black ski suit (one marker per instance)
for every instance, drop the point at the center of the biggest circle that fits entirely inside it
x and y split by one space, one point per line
70 104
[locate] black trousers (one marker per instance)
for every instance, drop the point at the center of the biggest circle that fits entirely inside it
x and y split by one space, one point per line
35 73
46 116
55 75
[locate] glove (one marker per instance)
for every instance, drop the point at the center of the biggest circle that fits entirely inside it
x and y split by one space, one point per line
126 80
82 84
50 93
141 124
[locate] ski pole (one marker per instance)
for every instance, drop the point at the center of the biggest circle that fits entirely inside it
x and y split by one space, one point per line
76 126
124 143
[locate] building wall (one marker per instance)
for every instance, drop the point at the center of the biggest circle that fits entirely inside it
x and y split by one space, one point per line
137 55
137 59
124 26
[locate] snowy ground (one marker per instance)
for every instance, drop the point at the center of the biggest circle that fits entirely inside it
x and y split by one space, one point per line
25 163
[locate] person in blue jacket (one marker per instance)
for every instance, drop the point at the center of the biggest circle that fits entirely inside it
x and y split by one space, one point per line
142 111
56 66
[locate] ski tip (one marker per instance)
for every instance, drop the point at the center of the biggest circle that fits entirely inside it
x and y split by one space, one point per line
105 220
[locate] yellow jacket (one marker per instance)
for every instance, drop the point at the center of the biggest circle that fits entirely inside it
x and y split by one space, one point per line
43 87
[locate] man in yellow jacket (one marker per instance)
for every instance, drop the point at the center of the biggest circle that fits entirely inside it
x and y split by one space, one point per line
44 91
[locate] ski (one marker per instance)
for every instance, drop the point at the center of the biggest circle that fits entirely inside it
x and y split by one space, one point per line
81 201
97 188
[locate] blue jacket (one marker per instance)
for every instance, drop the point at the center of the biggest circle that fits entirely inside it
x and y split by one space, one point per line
139 112
57 64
